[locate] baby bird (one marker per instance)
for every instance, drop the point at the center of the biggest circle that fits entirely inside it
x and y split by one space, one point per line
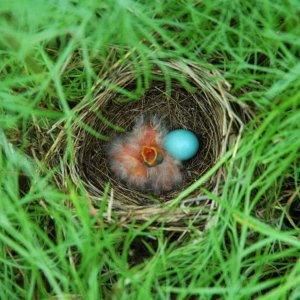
139 159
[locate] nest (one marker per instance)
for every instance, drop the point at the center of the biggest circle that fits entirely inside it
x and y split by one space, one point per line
203 106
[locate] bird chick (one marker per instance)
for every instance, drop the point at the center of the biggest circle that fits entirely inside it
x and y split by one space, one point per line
139 159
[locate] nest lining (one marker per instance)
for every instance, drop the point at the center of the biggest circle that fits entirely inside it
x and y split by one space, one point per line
206 111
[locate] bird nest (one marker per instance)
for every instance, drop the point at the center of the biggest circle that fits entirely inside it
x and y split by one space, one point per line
202 104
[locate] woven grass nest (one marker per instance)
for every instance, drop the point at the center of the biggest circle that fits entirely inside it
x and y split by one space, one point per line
207 109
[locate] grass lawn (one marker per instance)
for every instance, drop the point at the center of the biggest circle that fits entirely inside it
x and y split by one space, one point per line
51 55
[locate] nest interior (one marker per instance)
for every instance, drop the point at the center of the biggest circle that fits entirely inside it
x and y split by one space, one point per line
206 110
178 109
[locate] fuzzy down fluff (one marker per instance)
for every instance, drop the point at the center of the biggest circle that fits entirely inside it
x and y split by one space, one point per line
126 162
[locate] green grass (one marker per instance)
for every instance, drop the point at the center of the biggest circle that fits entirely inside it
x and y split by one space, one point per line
51 53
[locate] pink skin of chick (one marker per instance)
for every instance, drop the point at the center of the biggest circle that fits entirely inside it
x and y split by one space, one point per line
139 159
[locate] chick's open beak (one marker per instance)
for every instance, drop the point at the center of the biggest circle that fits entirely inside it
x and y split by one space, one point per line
152 156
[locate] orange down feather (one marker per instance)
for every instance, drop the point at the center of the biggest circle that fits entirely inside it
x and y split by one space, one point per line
139 159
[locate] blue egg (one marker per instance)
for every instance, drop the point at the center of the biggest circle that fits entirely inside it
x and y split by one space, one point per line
181 144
